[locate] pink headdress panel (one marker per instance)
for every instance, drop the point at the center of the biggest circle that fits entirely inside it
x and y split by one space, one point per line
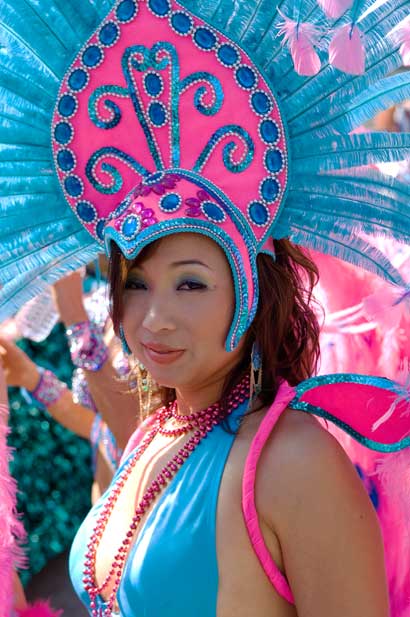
163 125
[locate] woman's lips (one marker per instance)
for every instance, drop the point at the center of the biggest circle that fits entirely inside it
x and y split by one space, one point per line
161 354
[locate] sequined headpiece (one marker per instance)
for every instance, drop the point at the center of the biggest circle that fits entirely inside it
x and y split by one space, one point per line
188 117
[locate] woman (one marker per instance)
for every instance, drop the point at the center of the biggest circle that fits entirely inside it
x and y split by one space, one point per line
175 320
189 143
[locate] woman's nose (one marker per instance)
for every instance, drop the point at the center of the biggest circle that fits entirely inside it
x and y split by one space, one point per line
159 316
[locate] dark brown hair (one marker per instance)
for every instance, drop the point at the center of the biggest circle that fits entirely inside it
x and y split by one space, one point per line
285 327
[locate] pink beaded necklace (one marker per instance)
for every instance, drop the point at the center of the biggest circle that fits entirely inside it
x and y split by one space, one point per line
201 422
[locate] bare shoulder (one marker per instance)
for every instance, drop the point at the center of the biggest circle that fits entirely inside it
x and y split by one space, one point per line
303 463
313 504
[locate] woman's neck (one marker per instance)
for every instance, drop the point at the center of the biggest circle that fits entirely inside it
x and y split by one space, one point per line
192 400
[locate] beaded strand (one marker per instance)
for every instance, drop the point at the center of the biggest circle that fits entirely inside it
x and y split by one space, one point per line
202 423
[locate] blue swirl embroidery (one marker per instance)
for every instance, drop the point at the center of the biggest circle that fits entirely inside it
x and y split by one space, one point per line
215 87
113 109
229 149
208 100
110 170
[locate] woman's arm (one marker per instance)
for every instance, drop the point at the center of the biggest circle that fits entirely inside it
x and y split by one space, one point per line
22 372
119 410
324 521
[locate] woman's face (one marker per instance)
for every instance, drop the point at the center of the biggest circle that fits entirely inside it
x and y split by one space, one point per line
178 307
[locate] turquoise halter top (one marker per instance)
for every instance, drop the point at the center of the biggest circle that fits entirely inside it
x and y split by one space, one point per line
172 568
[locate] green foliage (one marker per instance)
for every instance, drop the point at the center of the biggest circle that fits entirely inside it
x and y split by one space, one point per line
51 465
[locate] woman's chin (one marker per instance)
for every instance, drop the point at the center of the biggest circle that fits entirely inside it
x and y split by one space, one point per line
168 376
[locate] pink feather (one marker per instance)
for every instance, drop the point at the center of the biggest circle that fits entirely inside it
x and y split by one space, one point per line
301 38
393 471
346 50
335 8
11 529
402 34
387 305
40 608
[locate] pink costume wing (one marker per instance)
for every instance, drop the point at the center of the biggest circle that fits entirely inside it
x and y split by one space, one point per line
355 403
375 413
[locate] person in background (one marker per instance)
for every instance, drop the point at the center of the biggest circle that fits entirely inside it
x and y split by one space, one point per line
99 380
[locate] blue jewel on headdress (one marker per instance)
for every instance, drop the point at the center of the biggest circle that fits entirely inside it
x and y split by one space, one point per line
63 133
86 211
274 160
130 227
181 22
126 10
99 228
109 33
213 212
258 213
73 186
159 7
67 105
270 189
92 56
228 55
205 38
157 114
261 103
170 202
246 77
78 79
269 131
65 160
153 84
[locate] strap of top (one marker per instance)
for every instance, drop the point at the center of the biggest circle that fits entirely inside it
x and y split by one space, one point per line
284 396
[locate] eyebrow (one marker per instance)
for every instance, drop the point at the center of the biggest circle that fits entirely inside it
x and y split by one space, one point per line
176 264
189 262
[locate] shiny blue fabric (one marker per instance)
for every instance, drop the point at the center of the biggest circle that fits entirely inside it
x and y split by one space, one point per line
172 568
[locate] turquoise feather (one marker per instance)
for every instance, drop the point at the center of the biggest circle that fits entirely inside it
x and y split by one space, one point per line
371 182
321 235
37 43
305 100
350 213
389 91
343 151
26 286
39 39
23 188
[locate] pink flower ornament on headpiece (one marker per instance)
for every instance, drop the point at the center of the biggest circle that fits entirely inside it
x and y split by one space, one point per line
162 99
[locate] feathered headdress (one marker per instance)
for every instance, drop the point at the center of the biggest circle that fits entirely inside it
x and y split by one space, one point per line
126 122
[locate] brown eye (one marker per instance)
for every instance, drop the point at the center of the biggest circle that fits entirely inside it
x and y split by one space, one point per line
134 284
191 286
